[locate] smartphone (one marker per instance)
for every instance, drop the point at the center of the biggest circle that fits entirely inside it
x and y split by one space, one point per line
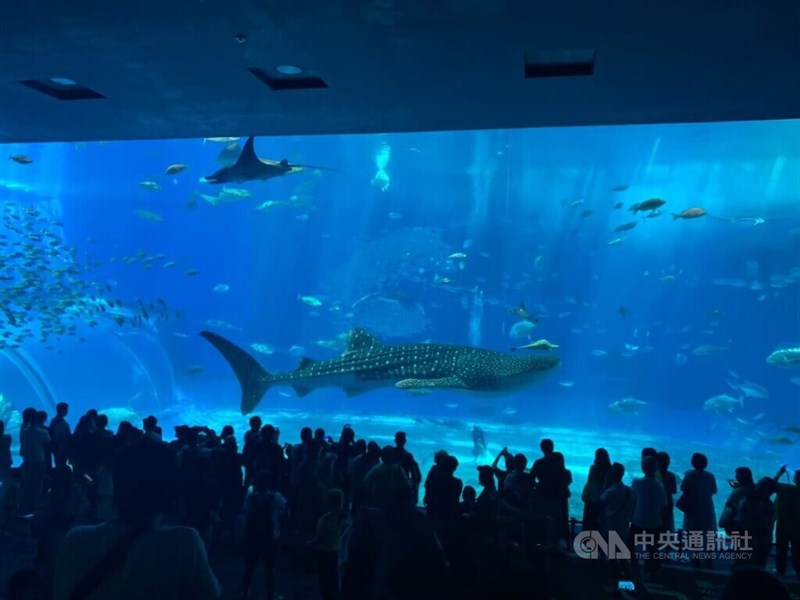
625 585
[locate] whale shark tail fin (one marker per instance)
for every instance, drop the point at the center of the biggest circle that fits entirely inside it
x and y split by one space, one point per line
253 378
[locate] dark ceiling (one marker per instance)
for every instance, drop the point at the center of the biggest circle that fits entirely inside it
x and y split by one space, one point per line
174 68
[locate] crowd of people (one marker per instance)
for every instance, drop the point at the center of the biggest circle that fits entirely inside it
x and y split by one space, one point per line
128 514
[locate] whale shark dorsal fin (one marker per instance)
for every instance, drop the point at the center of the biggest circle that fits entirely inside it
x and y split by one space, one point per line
361 339
305 362
248 154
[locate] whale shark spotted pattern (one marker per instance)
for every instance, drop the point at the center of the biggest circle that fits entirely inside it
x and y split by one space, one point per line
369 364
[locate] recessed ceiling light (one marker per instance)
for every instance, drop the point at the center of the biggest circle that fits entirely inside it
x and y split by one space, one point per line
63 81
288 70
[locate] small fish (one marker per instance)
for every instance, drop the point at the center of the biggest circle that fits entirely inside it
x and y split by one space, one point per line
270 204
191 272
625 226
689 213
234 193
220 324
21 159
537 345
620 187
312 301
708 350
586 213
576 202
647 205
195 370
444 281
221 288
457 256
623 311
522 312
599 353
654 214
668 278
566 384
262 348
617 241
150 185
175 169
395 216
626 406
229 154
169 264
618 205
149 216
749 220
221 140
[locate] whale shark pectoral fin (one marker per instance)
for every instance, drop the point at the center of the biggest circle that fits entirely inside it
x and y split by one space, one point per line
442 382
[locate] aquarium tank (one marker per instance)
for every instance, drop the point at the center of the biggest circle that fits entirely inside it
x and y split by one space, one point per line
631 286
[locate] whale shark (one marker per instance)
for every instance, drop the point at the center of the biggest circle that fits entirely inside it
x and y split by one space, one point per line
249 167
368 364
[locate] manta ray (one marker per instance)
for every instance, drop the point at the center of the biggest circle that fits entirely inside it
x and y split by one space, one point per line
248 167
368 364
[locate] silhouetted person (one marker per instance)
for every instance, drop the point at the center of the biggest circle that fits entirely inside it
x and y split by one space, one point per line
670 483
647 519
60 435
358 469
252 439
698 489
443 491
34 449
327 543
5 452
757 517
517 484
263 509
479 447
468 502
406 461
787 530
151 429
731 519
135 556
596 484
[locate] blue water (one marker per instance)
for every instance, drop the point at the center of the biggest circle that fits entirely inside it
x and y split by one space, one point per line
628 318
